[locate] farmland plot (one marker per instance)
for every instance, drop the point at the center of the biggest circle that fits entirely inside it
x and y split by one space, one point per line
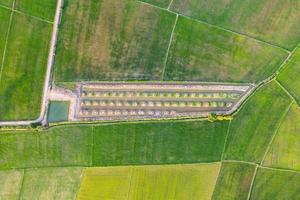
7 3
51 183
62 146
10 184
150 182
112 40
272 184
275 21
24 68
256 123
40 8
158 143
234 181
200 52
285 150
289 77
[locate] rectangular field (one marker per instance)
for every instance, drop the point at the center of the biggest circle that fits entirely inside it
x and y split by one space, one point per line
275 21
112 40
234 181
200 52
51 183
274 184
24 67
44 9
285 149
158 143
62 146
10 184
256 123
167 182
289 77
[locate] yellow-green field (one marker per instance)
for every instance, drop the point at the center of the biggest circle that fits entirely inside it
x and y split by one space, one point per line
10 184
50 183
180 182
285 149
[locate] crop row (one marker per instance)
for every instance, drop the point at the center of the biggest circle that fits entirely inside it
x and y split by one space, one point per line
129 94
95 103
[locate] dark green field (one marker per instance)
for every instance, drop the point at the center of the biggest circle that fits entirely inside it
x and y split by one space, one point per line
234 181
44 9
275 21
67 146
203 53
289 76
24 68
112 40
279 185
256 123
157 143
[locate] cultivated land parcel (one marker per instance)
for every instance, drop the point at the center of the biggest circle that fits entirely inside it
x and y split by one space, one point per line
253 156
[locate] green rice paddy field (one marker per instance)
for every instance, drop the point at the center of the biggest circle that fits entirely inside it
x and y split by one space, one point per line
24 48
254 156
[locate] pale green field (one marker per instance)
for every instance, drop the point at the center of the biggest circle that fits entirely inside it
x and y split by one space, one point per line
275 21
285 149
174 182
275 185
51 183
24 68
204 53
10 184
7 3
44 9
255 124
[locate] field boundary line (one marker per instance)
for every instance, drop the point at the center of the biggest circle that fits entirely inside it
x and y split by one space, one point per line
92 147
6 40
168 50
279 169
219 27
132 170
252 183
287 60
80 181
170 4
32 16
276 131
225 142
26 14
22 185
240 161
285 90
